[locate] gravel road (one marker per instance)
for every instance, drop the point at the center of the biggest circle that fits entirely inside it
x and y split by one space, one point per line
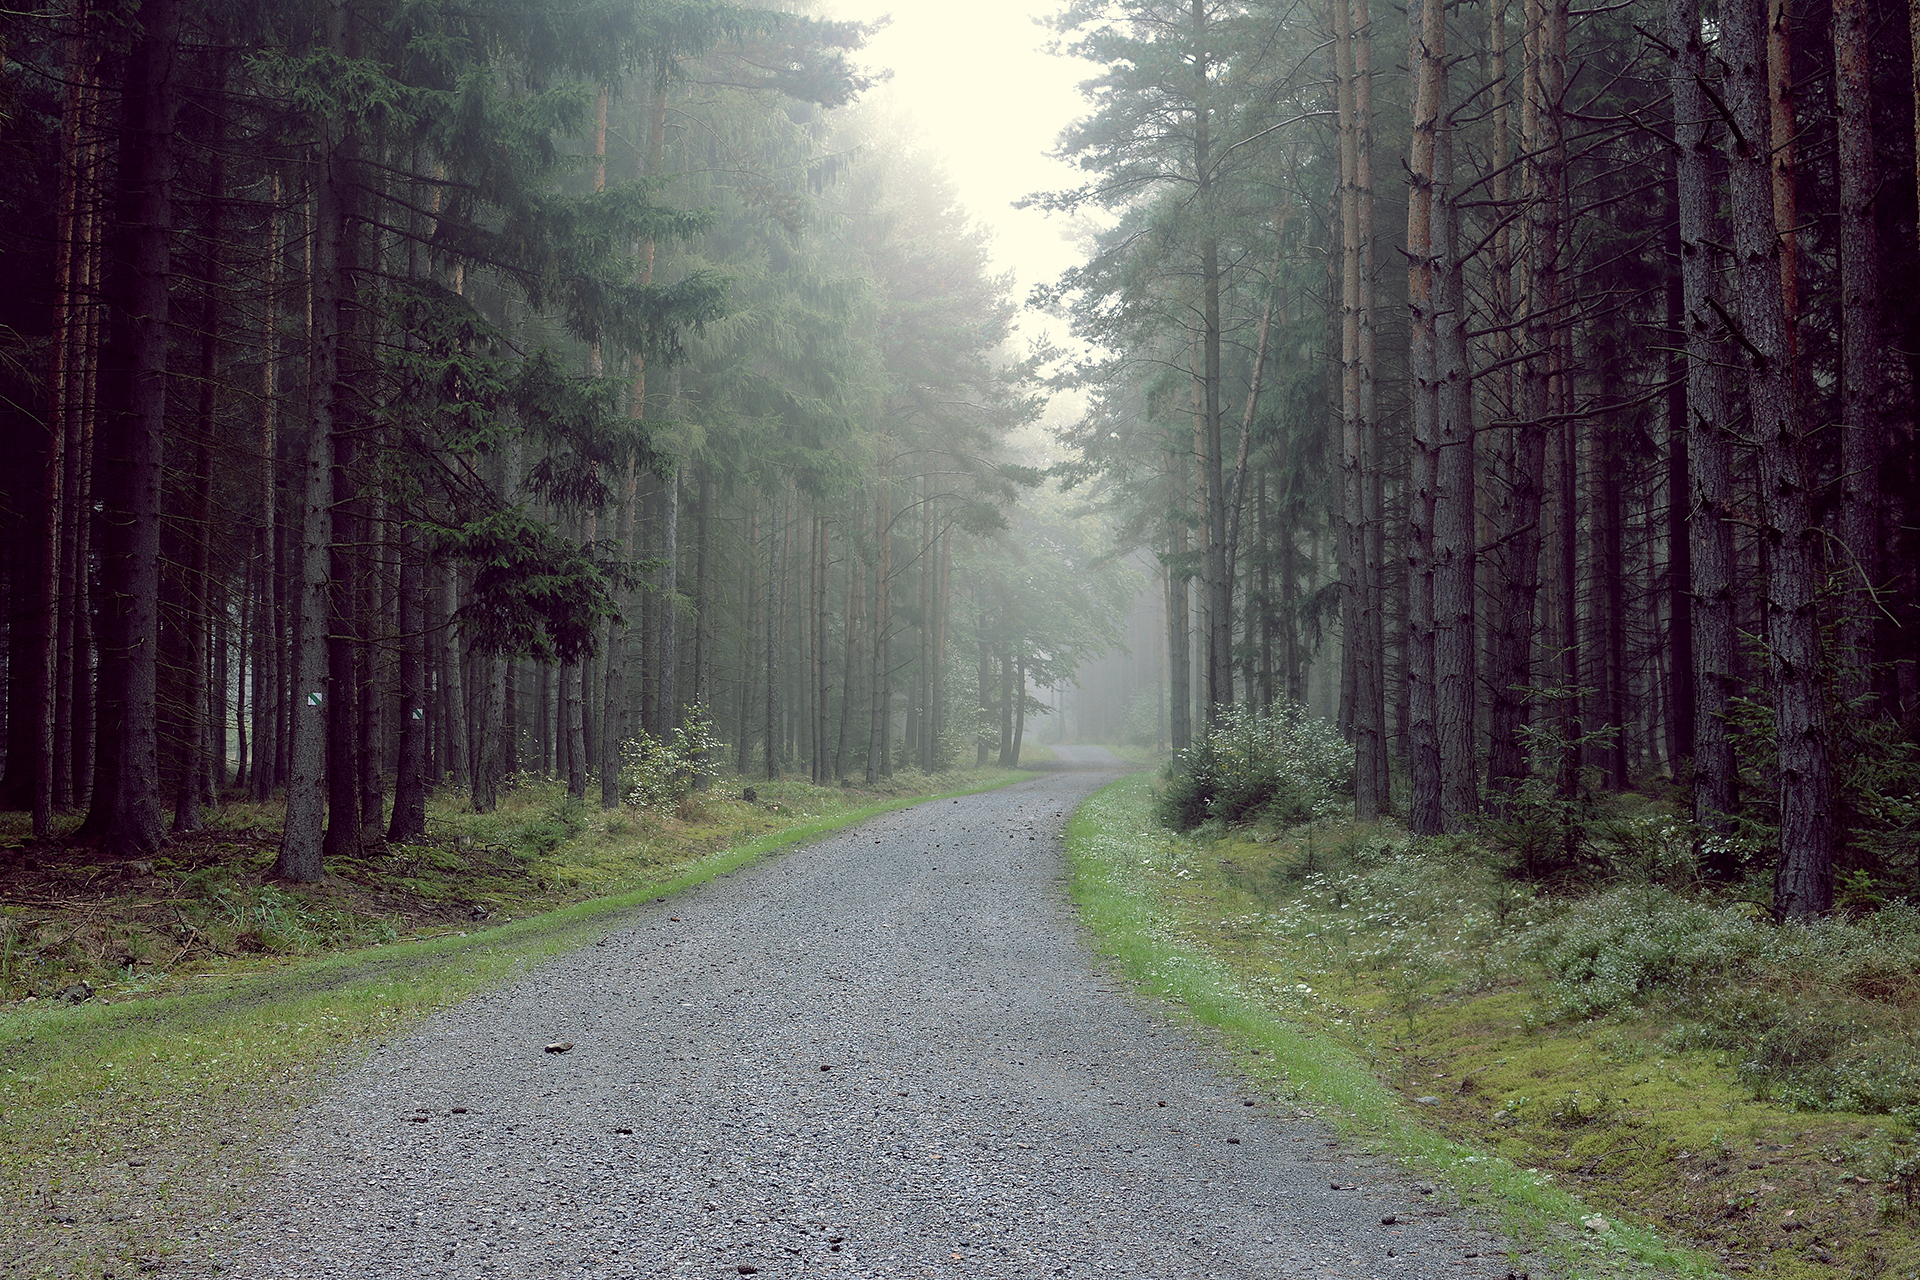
887 1053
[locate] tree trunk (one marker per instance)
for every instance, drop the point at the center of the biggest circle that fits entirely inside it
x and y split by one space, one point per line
267 702
1679 593
855 577
1781 129
1455 508
1019 708
774 546
667 616
1219 612
985 704
1803 882
573 727
880 712
1709 448
1365 705
453 698
344 626
125 813
822 683
1424 814
1179 652
301 844
748 665
1006 709
703 609
1515 561
1860 343
613 729
408 822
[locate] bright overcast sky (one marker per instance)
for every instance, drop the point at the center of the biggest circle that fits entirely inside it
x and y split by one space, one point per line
973 80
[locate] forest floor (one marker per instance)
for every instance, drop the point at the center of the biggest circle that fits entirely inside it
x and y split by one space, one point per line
160 1020
1637 1115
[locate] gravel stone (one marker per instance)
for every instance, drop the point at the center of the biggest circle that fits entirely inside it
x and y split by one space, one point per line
995 1107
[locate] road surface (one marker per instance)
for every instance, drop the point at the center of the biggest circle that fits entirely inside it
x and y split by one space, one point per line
889 1053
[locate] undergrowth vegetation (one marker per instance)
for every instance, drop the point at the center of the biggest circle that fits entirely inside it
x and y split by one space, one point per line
1567 990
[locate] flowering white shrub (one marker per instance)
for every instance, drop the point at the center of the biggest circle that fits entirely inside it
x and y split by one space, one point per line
655 774
1281 760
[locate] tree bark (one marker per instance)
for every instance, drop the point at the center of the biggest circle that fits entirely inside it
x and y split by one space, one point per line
856 574
1455 509
703 608
667 616
301 844
1520 453
1860 343
1365 709
1709 448
748 664
614 728
1803 881
1179 574
1424 814
408 821
880 712
125 813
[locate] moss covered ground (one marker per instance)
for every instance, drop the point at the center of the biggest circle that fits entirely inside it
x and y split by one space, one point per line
1614 1071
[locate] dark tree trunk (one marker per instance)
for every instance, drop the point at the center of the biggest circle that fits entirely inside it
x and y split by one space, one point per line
749 666
1179 575
1007 694
1709 449
985 704
408 822
268 702
1791 537
773 691
667 643
1456 637
125 813
703 607
1424 814
855 576
880 710
1679 593
613 728
1860 346
345 683
194 731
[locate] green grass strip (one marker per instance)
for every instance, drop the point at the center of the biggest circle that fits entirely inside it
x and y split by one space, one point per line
1108 837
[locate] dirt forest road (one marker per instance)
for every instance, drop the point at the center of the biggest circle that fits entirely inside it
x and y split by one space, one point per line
888 1053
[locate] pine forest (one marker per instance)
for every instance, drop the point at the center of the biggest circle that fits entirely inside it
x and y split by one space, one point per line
404 402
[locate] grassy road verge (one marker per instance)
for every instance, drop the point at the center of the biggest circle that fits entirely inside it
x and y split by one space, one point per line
1127 879
129 1125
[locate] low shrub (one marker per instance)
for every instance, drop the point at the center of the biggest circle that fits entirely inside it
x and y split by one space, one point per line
1279 761
1614 949
558 823
655 773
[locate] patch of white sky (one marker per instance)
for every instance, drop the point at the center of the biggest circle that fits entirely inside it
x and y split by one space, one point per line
974 84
